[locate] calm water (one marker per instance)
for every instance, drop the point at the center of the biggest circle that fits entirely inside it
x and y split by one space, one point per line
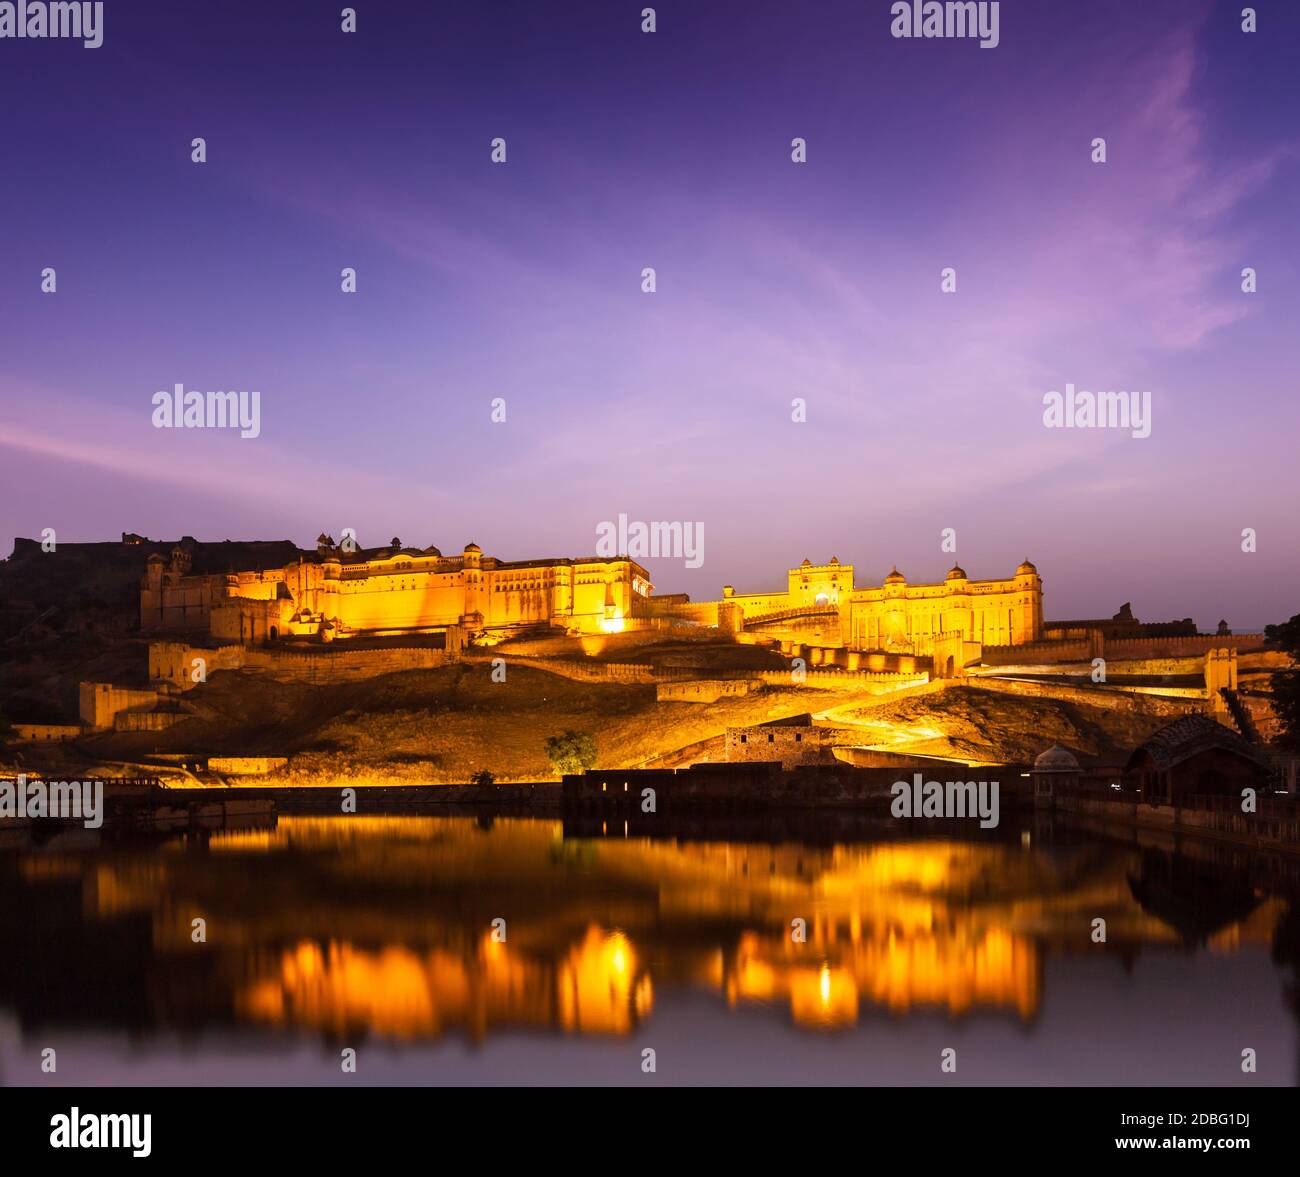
375 934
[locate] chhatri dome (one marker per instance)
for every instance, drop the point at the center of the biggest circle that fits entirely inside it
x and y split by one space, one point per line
896 577
957 573
1026 569
1056 759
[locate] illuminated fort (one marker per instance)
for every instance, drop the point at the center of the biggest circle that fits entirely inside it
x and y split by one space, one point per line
895 616
390 592
337 593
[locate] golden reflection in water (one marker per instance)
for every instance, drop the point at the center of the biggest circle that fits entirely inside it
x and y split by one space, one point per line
598 988
341 924
601 986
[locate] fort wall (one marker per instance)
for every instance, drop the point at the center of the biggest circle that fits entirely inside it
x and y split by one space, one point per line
42 732
705 690
100 703
834 679
173 662
1097 696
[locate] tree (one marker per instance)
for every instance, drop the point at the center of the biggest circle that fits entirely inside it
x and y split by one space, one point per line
1286 683
483 778
572 752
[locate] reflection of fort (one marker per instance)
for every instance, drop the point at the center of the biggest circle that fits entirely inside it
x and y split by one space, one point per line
597 988
347 925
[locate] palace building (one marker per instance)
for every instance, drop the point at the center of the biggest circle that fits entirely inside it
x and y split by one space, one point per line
895 616
392 591
337 593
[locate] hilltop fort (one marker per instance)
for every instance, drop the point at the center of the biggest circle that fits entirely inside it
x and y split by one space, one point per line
139 647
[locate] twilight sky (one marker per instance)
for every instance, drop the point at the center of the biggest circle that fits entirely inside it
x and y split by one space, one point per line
775 280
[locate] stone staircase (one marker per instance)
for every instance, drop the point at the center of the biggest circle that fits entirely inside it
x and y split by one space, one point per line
1240 713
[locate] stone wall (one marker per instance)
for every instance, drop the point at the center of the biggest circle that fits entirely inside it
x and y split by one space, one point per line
790 744
1095 645
834 679
585 671
101 703
146 721
1098 696
704 690
41 732
856 659
173 662
1074 650
246 765
1275 823
1178 647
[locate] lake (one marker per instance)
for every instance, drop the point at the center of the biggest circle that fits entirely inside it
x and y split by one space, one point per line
470 950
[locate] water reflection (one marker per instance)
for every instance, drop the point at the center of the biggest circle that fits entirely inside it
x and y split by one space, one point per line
383 926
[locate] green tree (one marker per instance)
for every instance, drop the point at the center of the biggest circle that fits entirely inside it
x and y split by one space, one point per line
571 752
1286 683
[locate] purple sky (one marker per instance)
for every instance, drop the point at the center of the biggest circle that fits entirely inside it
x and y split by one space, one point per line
775 280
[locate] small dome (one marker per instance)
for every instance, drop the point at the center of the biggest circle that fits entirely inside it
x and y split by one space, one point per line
1026 569
957 573
432 551
835 559
895 577
1056 759
472 548
806 563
